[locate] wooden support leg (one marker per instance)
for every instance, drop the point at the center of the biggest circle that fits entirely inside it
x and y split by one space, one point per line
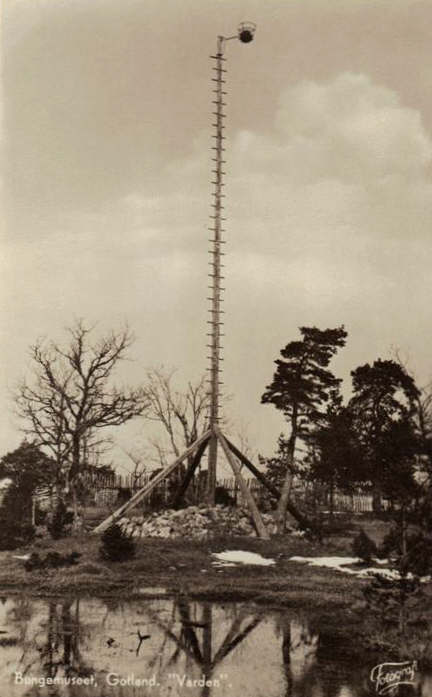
145 491
227 647
189 474
304 523
189 633
259 524
259 475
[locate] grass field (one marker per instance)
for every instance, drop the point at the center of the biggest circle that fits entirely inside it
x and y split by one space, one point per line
186 566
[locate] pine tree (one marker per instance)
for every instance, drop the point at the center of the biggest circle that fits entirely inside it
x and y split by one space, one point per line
301 387
383 408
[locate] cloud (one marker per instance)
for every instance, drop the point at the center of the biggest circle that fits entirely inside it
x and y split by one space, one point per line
357 125
348 129
345 166
345 173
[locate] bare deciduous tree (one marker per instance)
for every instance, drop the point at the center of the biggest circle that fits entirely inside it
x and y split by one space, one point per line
182 415
71 395
424 421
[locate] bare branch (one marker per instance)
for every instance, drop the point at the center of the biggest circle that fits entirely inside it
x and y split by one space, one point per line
181 415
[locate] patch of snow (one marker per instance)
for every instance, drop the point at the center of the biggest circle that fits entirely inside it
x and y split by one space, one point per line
341 564
328 562
24 557
240 556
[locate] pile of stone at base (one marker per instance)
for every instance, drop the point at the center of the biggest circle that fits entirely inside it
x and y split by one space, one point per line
197 522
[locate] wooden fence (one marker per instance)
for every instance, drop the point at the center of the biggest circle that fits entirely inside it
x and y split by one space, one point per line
110 490
357 503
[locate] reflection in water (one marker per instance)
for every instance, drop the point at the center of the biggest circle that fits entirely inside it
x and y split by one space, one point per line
60 652
171 648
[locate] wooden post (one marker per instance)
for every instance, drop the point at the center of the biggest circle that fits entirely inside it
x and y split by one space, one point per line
182 645
256 515
211 470
207 661
145 491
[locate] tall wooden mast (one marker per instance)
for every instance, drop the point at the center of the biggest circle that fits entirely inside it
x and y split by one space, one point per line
215 321
215 275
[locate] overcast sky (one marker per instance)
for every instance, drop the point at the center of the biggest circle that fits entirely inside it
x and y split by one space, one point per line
106 183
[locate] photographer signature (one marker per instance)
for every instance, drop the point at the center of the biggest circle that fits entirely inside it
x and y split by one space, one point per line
387 676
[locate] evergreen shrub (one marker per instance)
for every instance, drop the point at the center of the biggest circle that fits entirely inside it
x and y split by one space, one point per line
116 544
